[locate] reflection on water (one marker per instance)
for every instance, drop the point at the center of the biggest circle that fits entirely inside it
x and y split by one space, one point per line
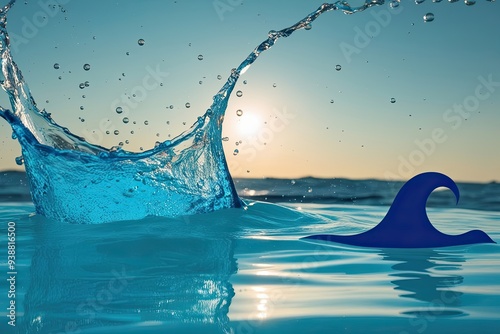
429 276
140 274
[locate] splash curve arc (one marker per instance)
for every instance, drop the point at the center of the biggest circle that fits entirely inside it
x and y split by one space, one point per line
74 181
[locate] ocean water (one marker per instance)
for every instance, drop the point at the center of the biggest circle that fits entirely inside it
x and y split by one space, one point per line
165 241
247 271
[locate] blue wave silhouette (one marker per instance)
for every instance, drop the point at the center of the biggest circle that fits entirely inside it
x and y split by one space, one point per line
406 224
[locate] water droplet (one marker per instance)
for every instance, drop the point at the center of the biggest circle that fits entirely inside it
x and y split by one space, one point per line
87 84
394 4
200 57
146 123
82 120
244 82
81 108
308 26
116 132
436 1
219 77
19 160
393 100
141 42
127 53
200 82
236 151
338 67
60 77
418 2
331 101
82 85
125 120
86 67
225 139
239 112
470 2
429 17
171 106
292 182
239 93
275 85
119 110
56 66
188 105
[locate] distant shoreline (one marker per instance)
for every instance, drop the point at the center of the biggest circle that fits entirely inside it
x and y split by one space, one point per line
271 178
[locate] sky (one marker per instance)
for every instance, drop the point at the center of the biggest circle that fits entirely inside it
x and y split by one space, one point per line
408 96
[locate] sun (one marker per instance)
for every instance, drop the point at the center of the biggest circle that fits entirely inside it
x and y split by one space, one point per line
249 124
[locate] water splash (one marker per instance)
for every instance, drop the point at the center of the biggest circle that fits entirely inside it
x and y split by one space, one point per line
74 181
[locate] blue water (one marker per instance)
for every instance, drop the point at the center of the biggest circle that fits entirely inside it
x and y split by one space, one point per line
157 242
246 271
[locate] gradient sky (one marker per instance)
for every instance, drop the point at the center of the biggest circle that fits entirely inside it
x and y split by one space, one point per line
444 76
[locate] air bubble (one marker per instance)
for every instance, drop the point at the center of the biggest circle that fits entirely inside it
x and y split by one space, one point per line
239 112
200 57
119 110
239 93
429 17
141 42
86 67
